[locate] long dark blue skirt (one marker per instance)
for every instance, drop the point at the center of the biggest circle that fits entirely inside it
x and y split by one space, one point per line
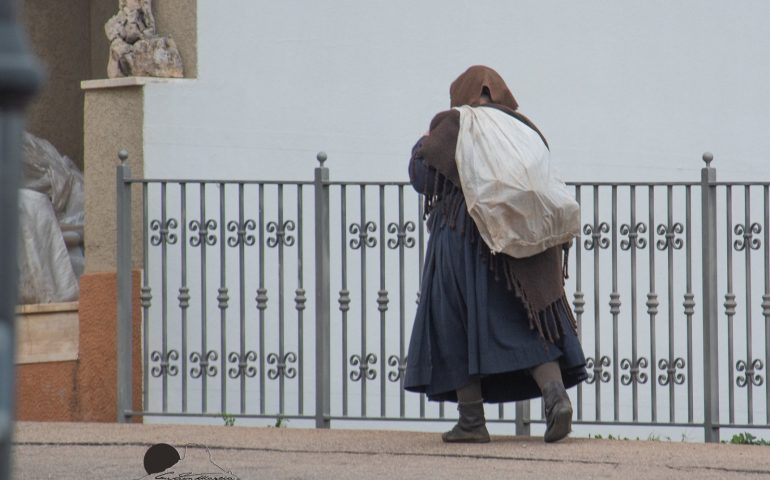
469 325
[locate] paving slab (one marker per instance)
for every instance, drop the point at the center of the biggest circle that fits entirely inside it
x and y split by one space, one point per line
115 451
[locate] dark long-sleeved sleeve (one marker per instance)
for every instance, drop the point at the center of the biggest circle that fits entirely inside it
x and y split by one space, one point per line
421 176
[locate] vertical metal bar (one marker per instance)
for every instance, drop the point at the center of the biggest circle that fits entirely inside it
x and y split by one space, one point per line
382 301
344 299
710 313
670 302
747 247
300 302
689 305
730 304
634 327
421 259
146 298
262 300
223 298
402 303
281 306
322 393
579 302
652 308
123 255
766 300
164 295
242 294
184 291
597 310
363 246
204 357
615 305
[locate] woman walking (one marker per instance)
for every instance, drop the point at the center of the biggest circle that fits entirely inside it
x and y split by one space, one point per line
489 327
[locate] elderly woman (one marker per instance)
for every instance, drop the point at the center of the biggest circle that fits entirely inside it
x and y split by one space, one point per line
489 328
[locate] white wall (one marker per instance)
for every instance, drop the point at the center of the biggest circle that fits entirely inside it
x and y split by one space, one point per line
622 89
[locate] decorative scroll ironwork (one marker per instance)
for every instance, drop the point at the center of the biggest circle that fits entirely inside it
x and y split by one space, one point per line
165 233
751 375
748 236
670 240
281 237
363 235
242 366
165 367
281 365
598 369
401 232
363 367
203 235
634 234
597 238
205 364
242 235
635 373
400 363
671 369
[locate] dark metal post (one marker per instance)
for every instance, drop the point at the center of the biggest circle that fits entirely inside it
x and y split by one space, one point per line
20 78
123 256
322 295
710 311
522 418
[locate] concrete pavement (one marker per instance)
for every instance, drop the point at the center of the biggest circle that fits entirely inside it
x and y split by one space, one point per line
113 451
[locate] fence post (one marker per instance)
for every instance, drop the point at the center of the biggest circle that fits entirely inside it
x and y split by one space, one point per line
710 309
322 295
522 418
123 256
20 78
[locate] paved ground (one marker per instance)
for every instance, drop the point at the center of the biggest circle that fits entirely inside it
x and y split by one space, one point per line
111 451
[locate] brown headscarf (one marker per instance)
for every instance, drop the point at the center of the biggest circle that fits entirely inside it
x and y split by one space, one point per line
468 87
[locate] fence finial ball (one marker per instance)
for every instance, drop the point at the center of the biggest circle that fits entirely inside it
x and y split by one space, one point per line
321 157
123 156
708 157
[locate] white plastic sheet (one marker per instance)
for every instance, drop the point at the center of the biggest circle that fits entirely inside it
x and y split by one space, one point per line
513 195
52 211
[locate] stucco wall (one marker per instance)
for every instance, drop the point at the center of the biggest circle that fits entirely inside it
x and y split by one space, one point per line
621 89
60 37
113 121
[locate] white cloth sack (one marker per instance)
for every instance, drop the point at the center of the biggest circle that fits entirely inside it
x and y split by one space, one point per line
518 204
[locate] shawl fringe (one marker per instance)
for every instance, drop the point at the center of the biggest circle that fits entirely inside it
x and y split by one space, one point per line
443 204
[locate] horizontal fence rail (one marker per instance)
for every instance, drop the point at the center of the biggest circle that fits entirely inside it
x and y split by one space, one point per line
228 268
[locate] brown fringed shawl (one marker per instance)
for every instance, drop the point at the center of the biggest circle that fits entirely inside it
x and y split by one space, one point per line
538 281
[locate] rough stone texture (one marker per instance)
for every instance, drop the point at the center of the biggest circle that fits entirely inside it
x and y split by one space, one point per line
136 49
63 46
84 390
114 120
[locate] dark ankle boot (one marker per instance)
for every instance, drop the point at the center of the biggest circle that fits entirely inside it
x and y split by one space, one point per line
471 427
558 412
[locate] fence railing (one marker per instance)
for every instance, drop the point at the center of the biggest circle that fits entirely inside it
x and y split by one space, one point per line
233 333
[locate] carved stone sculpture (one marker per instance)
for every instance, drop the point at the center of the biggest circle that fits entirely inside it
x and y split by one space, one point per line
135 47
